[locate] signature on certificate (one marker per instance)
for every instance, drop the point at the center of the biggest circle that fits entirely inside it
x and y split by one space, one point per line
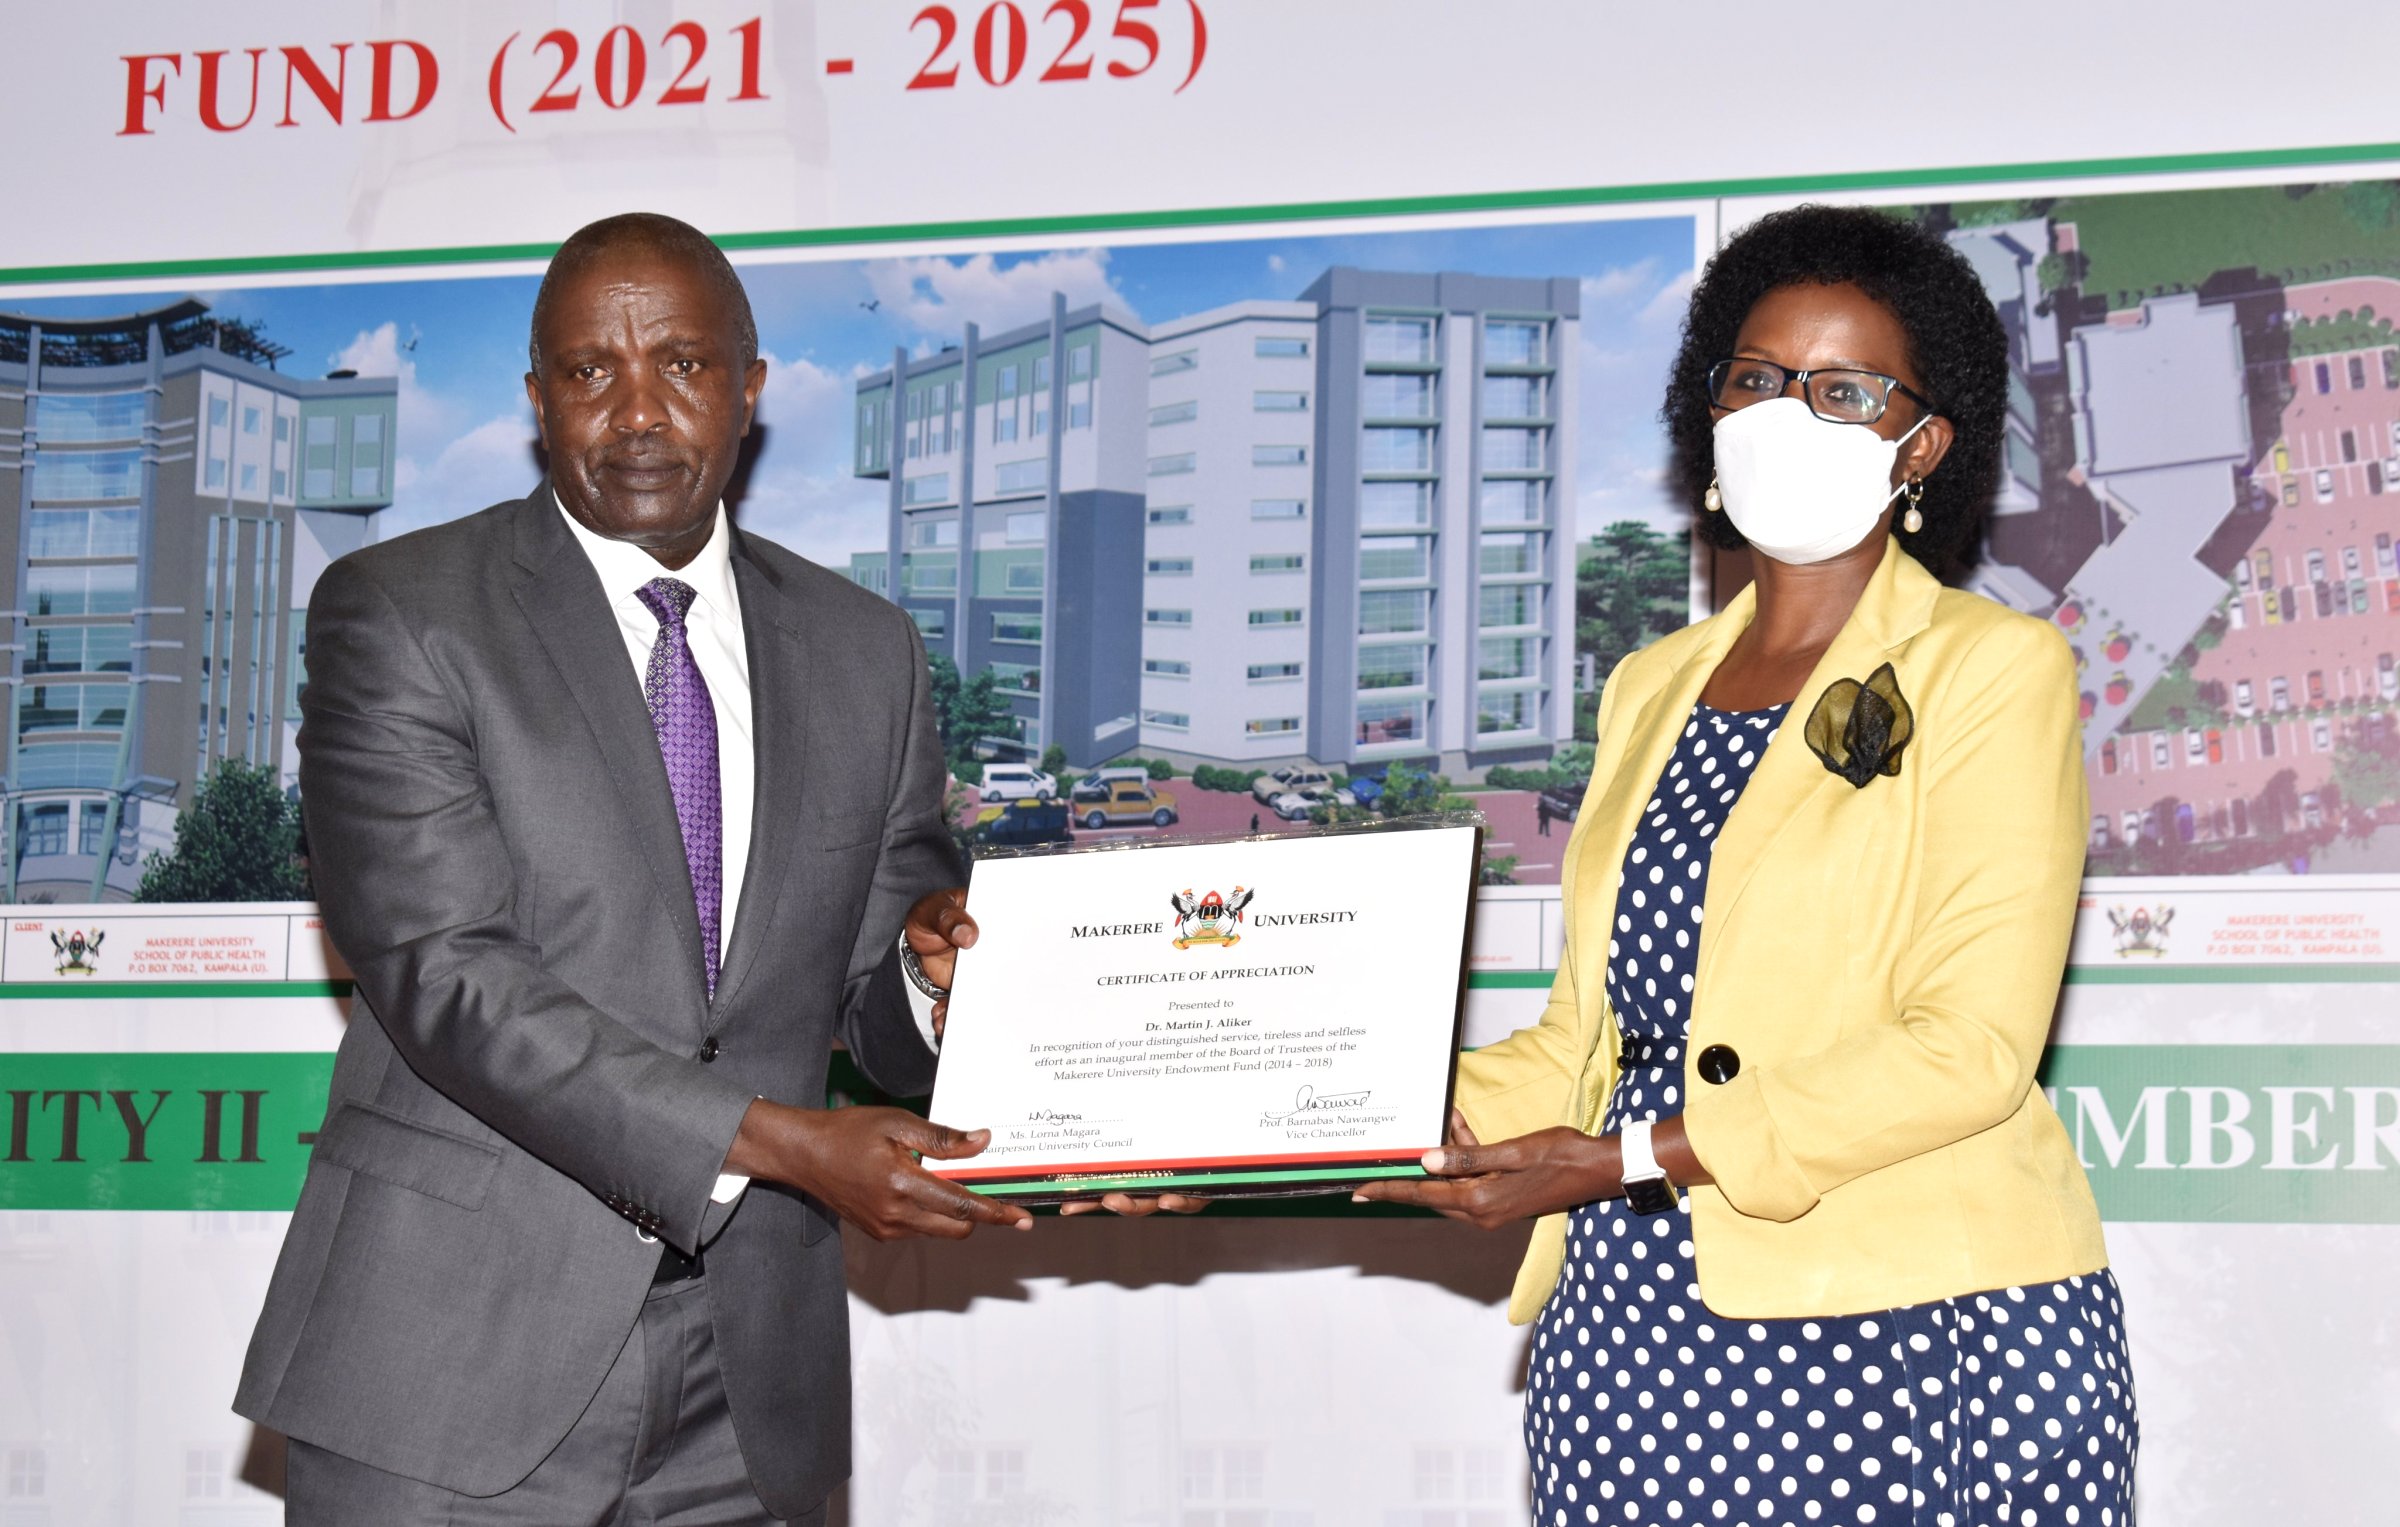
1308 1101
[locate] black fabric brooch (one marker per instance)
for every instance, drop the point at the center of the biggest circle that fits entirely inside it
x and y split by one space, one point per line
1860 730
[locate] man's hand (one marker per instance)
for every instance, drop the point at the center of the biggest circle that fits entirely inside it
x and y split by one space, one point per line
937 928
862 1164
1489 1186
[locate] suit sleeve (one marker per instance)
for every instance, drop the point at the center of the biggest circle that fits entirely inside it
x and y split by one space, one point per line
917 856
418 892
2000 844
1525 1082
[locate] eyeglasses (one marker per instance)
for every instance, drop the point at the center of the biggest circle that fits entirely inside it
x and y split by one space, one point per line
1836 394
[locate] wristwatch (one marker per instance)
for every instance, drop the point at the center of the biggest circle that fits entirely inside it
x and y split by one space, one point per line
914 969
1647 1190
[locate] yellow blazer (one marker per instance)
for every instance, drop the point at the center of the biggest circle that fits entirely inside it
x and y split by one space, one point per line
1883 960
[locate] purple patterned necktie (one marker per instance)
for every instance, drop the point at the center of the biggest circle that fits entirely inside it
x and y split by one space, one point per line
687 739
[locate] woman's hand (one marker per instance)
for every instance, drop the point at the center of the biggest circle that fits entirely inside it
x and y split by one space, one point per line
1493 1185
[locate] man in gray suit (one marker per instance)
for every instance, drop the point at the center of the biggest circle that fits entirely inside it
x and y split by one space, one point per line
617 813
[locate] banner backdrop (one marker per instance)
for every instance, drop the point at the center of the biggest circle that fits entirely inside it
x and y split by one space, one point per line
1337 332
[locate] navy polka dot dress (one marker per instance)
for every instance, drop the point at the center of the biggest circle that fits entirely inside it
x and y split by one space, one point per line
2012 1408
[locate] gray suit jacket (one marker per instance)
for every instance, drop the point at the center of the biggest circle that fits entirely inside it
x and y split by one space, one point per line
519 1089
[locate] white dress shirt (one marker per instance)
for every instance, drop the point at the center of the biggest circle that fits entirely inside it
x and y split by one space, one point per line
713 626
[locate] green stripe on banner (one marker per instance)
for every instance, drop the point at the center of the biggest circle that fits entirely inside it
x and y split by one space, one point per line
2231 975
1200 217
152 991
1510 980
2297 1134
2260 1134
133 1130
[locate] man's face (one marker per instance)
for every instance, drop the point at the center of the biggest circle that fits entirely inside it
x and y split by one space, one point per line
642 400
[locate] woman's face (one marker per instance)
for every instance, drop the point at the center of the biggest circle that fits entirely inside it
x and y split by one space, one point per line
1808 326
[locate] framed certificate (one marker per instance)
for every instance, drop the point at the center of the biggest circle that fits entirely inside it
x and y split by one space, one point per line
1259 1015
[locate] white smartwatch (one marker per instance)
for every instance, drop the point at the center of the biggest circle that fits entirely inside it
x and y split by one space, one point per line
1647 1190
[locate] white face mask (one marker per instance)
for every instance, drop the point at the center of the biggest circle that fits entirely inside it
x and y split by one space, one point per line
1798 488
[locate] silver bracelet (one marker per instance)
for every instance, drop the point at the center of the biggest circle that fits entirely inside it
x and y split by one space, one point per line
915 970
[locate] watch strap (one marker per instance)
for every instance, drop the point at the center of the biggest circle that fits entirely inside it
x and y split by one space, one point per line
1647 1190
914 969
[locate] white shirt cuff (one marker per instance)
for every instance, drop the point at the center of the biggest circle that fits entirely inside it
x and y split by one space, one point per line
920 1007
729 1187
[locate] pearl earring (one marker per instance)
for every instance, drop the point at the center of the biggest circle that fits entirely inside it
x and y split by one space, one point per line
1914 520
1713 500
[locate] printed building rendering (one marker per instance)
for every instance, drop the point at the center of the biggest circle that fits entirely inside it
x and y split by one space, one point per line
175 499
1329 528
2203 487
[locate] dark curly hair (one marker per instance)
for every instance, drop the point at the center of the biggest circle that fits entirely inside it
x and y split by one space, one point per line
1955 343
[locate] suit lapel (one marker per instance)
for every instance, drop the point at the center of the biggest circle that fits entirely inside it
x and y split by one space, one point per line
775 633
1896 604
562 600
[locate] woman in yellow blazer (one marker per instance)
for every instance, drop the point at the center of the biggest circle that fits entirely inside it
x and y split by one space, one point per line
1812 1245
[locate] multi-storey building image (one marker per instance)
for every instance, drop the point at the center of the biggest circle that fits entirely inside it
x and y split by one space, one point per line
1016 514
174 499
1331 528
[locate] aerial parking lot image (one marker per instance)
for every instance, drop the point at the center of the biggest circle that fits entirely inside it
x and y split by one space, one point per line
2202 493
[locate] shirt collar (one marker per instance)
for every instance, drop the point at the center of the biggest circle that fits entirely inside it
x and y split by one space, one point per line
624 568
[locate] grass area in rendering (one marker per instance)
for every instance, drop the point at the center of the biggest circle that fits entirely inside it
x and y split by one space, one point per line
2137 244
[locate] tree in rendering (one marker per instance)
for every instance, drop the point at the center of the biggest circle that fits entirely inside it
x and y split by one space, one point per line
239 840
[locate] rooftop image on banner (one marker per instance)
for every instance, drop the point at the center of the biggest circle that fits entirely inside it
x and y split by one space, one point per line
2202 491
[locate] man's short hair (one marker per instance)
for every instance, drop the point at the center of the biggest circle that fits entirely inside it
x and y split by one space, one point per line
644 233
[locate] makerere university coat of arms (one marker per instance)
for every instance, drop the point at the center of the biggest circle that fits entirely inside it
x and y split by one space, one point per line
78 954
1209 919
2141 932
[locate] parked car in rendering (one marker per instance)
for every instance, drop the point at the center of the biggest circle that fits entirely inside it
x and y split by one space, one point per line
1095 785
1564 801
1128 805
1020 823
2245 699
2324 485
1292 779
1016 782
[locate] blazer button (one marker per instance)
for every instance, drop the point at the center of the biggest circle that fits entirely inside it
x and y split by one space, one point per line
1720 1064
708 1049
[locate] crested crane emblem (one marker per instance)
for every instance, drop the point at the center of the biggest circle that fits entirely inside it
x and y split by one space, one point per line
2142 931
1210 919
78 952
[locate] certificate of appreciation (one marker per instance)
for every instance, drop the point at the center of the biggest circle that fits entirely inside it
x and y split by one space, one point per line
1267 1015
